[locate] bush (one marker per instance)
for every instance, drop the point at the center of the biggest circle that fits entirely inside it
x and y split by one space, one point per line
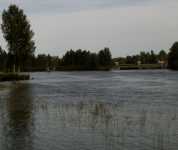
173 57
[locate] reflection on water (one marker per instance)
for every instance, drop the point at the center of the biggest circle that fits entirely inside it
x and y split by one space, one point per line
18 119
91 111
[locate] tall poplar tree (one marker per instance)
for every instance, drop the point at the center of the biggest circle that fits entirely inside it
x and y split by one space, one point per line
18 34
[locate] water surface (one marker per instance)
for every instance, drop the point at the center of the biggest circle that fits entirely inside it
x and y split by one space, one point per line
117 110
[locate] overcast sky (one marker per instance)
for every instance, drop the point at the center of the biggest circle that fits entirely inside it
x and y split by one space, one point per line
126 26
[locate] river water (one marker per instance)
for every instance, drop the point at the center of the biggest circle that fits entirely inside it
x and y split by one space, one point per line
117 110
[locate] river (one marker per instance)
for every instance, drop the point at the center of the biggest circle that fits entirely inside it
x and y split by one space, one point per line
116 110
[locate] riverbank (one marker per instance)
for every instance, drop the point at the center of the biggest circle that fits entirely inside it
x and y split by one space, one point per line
99 68
81 68
13 77
135 67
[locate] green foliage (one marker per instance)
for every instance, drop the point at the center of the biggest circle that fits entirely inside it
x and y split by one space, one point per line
3 59
144 58
43 63
105 58
85 60
18 34
148 57
173 57
72 60
153 58
162 55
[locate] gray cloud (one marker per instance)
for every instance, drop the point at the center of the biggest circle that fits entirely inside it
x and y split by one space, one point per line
40 6
126 26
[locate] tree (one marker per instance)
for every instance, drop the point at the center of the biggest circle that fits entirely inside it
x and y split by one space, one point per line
173 57
105 58
162 56
41 62
85 60
153 58
18 34
3 59
93 61
143 57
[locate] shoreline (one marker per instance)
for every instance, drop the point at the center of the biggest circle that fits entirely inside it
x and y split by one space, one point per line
13 77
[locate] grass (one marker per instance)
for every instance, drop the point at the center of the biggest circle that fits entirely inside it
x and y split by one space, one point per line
142 66
13 77
83 68
150 66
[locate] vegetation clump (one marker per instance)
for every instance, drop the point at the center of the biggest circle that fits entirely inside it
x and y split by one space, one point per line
144 60
85 60
173 57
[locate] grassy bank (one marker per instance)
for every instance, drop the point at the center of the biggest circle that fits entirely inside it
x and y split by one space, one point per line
81 68
13 77
142 66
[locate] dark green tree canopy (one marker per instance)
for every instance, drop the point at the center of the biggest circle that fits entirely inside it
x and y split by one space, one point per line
105 57
3 59
173 57
85 60
18 34
162 55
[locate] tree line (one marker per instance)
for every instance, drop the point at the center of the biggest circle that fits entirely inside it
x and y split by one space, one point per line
20 56
144 58
170 58
72 60
85 60
173 57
